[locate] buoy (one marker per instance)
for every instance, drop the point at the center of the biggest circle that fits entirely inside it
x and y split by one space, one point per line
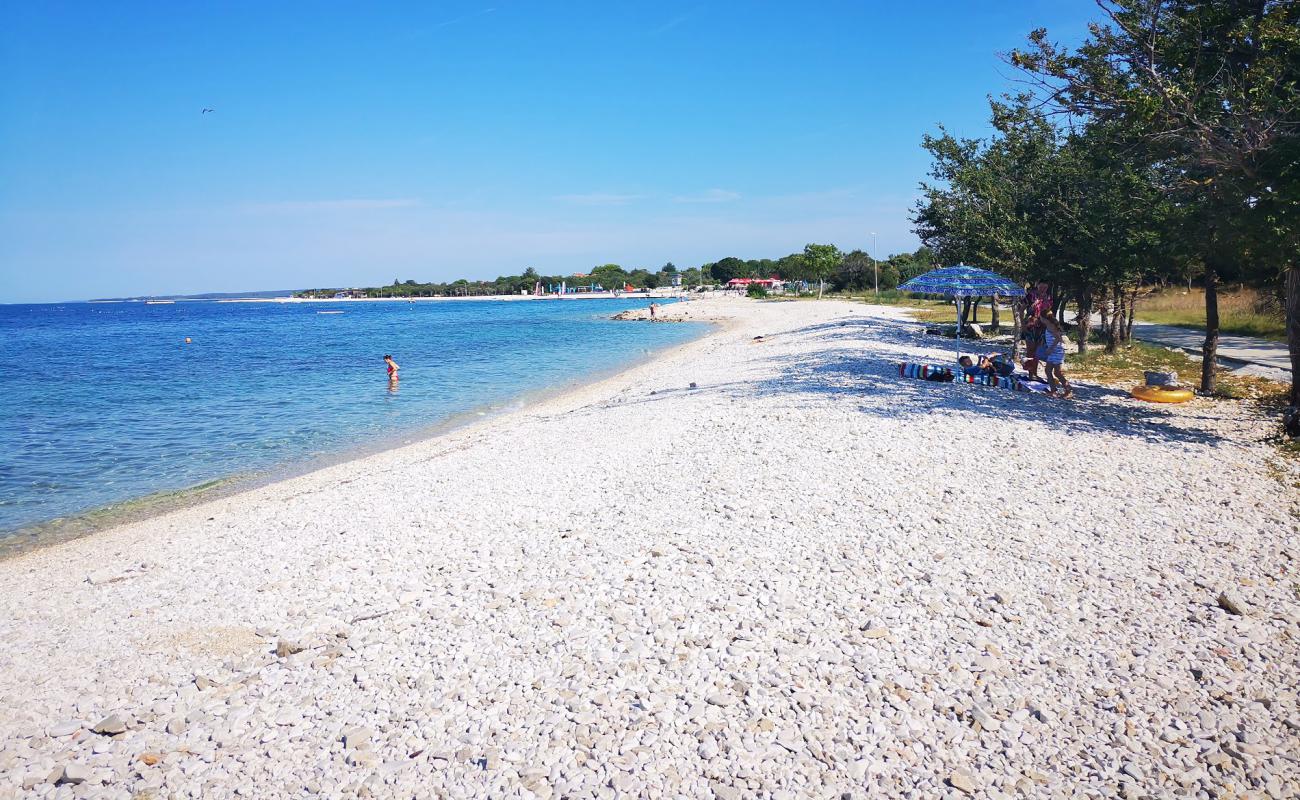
1162 394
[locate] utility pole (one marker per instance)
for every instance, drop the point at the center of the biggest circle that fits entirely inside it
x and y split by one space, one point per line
875 263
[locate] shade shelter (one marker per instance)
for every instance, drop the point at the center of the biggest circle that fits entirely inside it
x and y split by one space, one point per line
963 281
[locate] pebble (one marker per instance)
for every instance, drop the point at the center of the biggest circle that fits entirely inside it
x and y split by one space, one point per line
961 781
110 725
1230 602
65 728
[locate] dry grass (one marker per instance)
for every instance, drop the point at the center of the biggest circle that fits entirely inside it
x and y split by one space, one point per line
1242 311
1128 363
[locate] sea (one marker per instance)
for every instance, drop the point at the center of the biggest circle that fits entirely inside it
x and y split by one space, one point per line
103 404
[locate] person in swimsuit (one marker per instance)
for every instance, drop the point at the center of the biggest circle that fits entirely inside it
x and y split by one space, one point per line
1038 301
1051 351
392 367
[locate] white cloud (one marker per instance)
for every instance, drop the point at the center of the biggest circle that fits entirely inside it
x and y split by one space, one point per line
710 196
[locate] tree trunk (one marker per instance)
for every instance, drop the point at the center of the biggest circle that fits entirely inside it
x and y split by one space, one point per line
821 284
1210 350
1116 317
1293 331
1083 322
975 310
996 320
1104 312
1128 321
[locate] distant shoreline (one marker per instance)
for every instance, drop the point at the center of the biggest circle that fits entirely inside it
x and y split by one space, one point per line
658 294
653 295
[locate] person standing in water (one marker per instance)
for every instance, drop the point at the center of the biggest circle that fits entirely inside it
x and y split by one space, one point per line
393 367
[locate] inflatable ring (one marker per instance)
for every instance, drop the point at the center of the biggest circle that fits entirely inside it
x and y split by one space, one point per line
1161 394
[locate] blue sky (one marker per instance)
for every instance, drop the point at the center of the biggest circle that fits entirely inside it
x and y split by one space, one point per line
353 143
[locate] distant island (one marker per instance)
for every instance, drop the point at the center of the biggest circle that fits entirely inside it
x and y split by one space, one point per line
206 296
605 278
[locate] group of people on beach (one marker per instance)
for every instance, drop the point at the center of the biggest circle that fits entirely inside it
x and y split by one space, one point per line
1044 346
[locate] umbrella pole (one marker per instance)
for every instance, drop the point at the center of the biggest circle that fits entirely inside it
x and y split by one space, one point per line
956 310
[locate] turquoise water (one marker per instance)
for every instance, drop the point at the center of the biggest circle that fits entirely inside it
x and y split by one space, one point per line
105 402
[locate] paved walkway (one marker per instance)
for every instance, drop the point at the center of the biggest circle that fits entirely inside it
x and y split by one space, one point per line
1257 356
1248 355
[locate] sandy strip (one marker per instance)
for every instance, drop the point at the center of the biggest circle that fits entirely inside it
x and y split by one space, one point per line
804 577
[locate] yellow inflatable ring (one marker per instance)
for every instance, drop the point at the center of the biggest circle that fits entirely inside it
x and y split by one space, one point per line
1159 394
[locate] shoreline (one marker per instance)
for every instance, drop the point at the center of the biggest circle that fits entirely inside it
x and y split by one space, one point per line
746 567
90 522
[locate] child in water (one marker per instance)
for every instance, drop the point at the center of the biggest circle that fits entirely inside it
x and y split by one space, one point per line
392 367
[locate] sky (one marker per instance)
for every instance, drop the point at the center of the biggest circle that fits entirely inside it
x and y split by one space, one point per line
353 143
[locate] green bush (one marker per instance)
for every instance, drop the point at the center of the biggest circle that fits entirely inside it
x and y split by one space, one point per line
756 290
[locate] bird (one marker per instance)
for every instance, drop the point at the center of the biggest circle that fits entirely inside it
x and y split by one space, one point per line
204 111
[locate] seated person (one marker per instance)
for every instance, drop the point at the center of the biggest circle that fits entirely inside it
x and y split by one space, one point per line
984 367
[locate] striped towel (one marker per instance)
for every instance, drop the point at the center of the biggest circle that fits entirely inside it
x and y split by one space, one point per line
925 372
929 372
990 380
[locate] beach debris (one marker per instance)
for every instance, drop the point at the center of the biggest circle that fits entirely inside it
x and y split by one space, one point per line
149 759
1230 602
693 386
285 648
111 725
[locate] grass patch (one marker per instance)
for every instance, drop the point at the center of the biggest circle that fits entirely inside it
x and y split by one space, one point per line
1243 311
1127 364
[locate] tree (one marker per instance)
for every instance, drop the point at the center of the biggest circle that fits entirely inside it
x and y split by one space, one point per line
856 271
1212 87
792 267
669 268
821 261
726 269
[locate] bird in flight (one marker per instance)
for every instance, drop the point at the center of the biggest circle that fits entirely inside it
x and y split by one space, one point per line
205 111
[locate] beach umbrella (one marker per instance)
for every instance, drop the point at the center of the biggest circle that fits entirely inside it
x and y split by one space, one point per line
963 281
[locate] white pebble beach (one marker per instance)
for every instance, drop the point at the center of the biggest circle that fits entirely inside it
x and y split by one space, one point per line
803 577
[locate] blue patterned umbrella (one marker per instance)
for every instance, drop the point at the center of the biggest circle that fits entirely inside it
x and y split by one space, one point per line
963 281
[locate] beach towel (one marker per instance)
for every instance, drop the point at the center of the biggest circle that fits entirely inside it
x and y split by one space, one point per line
990 380
925 372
